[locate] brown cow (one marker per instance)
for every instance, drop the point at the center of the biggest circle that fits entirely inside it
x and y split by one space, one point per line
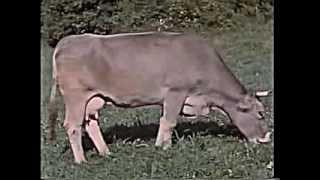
180 72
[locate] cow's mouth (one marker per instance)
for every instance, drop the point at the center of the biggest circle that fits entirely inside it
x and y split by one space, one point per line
263 140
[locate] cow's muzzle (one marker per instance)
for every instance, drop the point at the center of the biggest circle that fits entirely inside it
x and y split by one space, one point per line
263 140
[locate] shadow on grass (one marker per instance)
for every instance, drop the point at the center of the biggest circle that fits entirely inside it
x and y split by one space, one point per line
149 131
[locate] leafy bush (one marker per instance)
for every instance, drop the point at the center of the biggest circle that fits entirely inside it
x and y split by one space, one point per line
60 18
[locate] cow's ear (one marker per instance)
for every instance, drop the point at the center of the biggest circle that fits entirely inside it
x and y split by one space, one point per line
245 104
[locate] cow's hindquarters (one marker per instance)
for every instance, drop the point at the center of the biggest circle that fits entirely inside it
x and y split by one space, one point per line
75 111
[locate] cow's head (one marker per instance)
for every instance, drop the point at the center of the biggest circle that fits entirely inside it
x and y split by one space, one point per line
247 115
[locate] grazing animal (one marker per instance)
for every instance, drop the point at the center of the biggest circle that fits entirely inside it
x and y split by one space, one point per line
177 71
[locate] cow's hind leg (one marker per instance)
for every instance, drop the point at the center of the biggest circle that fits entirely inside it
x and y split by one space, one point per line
172 105
75 106
92 125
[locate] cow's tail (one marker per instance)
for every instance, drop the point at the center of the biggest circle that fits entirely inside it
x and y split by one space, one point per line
52 107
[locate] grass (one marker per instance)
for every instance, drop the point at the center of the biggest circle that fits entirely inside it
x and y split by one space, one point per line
201 149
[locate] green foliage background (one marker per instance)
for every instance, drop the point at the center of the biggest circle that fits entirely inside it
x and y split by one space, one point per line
60 18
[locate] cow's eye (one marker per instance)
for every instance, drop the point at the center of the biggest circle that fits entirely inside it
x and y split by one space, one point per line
244 110
261 115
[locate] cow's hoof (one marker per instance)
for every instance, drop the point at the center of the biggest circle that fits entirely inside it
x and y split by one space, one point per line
166 145
159 142
105 153
81 161
163 145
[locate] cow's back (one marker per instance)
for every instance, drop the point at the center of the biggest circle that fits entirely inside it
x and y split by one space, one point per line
143 64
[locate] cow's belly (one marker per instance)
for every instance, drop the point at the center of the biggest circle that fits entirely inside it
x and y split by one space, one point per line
132 98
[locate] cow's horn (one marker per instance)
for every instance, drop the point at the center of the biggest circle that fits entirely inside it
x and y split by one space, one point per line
262 93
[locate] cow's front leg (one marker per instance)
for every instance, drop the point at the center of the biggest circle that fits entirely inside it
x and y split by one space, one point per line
165 132
172 105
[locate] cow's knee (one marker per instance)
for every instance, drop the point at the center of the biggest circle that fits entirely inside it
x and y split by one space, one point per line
73 130
168 124
74 133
